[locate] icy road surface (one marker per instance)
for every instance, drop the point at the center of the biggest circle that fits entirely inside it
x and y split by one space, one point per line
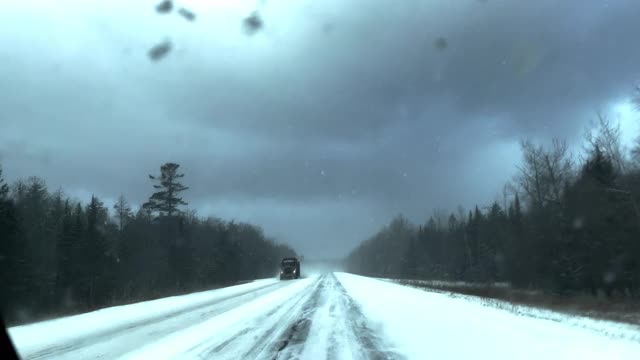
332 316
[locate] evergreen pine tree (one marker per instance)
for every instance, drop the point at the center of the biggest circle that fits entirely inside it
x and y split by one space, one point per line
123 212
166 200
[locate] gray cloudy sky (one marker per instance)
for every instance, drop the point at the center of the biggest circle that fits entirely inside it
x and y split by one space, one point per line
320 127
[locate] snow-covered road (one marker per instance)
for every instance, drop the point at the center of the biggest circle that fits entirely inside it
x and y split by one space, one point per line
330 316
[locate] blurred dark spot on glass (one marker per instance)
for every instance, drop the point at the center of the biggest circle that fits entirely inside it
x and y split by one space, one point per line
164 7
525 58
189 15
327 28
253 23
441 43
159 51
609 277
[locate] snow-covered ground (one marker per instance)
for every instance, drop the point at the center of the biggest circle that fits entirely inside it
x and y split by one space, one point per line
423 323
612 329
116 330
328 316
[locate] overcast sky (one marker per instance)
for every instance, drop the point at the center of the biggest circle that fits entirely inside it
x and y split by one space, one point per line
321 126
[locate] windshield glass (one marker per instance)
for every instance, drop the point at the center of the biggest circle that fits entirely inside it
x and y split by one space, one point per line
320 179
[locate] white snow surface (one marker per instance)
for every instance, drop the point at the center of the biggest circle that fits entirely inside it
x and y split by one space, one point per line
324 316
427 324
606 327
32 338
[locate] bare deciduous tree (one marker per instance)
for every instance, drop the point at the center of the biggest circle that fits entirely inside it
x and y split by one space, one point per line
558 168
530 178
544 172
123 212
635 151
605 134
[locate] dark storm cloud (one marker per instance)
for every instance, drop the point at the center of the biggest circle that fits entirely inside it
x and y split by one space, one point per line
535 68
331 118
528 60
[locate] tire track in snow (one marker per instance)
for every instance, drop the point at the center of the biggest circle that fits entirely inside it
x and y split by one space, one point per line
368 342
339 330
325 315
291 343
113 347
267 340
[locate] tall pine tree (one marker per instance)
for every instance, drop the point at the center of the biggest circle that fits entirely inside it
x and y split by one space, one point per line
96 251
123 212
12 253
166 200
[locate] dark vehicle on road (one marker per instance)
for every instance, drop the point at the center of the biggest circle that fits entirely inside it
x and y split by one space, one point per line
289 268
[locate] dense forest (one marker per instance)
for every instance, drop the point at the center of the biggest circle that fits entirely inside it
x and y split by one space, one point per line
564 225
60 256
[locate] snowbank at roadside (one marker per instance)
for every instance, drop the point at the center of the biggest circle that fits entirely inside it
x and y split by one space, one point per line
50 333
427 324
